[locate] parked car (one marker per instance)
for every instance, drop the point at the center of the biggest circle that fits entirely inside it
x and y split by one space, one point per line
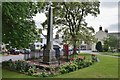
25 51
14 51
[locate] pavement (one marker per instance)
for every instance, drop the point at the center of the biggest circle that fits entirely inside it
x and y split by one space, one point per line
16 57
13 57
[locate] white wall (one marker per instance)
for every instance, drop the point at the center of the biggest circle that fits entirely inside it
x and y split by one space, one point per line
39 43
100 36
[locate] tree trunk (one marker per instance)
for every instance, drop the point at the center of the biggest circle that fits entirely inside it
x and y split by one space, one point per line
79 49
74 48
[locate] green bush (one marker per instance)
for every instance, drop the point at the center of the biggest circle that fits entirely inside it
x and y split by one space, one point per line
63 70
99 46
87 64
37 74
80 65
68 68
105 49
22 66
31 70
45 74
118 49
13 66
72 67
19 66
94 58
5 64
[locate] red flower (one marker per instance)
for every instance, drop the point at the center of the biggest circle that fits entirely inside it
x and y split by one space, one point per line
73 59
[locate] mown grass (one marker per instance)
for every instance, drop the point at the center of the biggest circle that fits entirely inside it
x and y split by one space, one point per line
106 68
11 74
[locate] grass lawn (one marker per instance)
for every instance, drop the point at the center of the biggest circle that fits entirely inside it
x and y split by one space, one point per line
106 68
11 74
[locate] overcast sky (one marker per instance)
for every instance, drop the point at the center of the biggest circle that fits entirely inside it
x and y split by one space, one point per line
108 17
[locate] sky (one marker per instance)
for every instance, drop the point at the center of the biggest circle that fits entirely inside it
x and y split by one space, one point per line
108 17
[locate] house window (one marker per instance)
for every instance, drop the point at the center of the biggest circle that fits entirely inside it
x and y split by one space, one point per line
37 45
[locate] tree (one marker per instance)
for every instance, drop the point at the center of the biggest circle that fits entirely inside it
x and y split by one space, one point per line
112 42
18 27
69 17
105 46
99 46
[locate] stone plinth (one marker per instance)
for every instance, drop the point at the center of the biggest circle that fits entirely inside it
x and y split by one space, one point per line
49 57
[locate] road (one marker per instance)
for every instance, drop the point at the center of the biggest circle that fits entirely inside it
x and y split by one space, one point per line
13 57
88 51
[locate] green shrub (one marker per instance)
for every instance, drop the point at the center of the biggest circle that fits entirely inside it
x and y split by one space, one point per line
45 74
68 68
87 64
72 67
99 46
80 65
105 49
19 66
31 71
63 70
118 49
37 74
94 58
12 66
5 64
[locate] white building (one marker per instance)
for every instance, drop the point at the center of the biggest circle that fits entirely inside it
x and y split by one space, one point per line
100 36
38 45
85 46
57 41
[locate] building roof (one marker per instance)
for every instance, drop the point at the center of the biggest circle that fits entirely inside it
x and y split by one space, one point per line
115 33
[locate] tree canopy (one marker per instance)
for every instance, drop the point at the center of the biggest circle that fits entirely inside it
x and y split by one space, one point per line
112 42
18 27
69 18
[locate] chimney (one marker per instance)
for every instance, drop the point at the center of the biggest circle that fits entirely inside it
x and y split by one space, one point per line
100 28
106 30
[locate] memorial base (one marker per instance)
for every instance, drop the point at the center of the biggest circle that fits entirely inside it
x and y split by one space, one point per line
49 57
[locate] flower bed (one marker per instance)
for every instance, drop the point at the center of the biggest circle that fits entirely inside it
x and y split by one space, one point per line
31 69
75 64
